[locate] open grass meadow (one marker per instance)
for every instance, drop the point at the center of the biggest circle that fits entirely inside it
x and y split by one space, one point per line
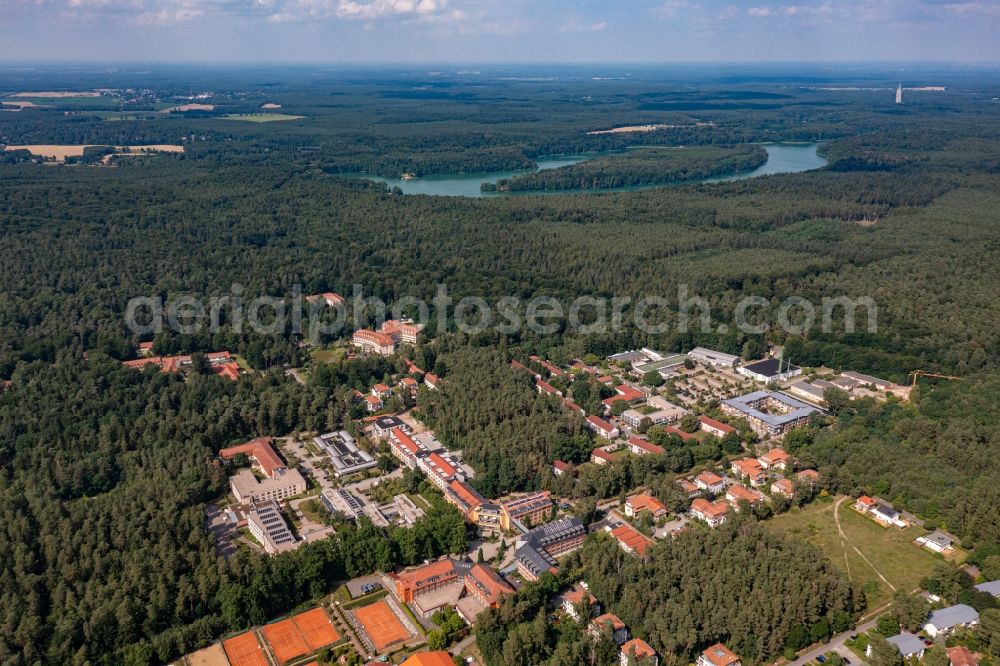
889 551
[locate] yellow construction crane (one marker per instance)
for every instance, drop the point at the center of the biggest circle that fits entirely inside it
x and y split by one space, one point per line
921 373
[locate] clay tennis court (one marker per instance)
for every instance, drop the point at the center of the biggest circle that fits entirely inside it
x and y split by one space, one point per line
381 625
285 640
244 650
316 629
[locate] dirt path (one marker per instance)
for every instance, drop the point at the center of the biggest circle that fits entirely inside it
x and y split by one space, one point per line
846 542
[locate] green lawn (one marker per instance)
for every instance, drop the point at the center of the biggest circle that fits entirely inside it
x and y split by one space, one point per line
261 117
889 550
327 355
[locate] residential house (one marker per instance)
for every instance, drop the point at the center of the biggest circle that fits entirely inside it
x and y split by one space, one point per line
714 427
936 541
775 459
809 476
631 540
373 403
381 391
712 513
639 652
750 469
962 656
559 467
737 493
645 502
688 488
609 621
574 599
992 587
544 387
602 427
946 620
783 487
328 298
601 457
909 646
431 380
641 447
710 482
718 655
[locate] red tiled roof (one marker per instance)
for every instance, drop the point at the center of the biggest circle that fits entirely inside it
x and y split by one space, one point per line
720 655
443 465
632 538
600 423
686 436
718 425
710 509
645 502
639 648
260 450
738 493
465 493
962 656
381 339
748 467
431 378
629 393
775 455
373 400
488 582
709 478
609 619
602 454
545 387
784 486
560 465
808 474
645 445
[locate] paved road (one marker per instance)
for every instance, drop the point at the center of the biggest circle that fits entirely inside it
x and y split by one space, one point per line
835 645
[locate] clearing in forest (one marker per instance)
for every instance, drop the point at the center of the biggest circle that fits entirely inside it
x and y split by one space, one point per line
875 557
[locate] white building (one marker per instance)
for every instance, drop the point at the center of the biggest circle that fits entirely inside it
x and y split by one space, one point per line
945 620
712 357
267 526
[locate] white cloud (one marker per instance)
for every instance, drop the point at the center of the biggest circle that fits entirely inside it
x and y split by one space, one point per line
575 25
760 12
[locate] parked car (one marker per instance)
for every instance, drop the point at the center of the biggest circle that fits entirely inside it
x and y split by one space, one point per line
821 659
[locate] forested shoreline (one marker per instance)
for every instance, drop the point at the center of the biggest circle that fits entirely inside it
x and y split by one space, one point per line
105 472
642 166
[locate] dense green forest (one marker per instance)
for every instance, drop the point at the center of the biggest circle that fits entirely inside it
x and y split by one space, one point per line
644 166
738 584
105 472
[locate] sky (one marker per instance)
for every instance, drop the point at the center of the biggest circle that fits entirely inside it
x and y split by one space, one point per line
505 31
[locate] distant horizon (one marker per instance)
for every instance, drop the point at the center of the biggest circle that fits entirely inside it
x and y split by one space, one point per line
516 31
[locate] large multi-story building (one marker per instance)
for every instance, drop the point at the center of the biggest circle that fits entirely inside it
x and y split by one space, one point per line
470 588
373 342
537 550
279 482
267 526
528 510
769 413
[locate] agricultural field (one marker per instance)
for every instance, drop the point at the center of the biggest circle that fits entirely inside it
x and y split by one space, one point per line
879 559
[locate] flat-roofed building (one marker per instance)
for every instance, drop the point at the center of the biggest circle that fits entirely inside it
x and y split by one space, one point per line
659 411
769 413
267 526
712 357
345 456
770 370
279 482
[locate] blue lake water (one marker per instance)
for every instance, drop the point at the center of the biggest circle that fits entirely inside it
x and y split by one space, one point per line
781 158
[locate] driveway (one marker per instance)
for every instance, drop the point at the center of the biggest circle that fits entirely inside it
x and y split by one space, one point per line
835 645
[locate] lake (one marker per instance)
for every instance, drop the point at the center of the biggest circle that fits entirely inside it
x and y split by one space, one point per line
781 158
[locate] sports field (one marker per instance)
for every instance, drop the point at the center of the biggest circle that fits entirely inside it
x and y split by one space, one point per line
381 625
244 650
285 640
213 655
880 559
316 629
